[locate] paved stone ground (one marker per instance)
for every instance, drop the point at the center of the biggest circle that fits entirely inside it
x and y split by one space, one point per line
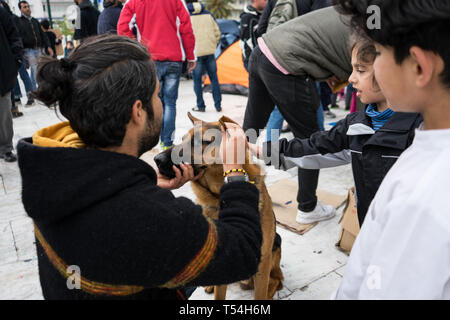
312 266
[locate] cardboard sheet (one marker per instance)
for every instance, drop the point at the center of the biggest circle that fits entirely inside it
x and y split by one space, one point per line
350 224
284 200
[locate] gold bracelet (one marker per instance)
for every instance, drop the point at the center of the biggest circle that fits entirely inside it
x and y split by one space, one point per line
234 170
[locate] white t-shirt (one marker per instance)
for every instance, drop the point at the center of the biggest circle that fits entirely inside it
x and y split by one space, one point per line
403 248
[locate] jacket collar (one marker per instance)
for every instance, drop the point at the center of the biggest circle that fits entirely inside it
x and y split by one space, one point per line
394 133
398 122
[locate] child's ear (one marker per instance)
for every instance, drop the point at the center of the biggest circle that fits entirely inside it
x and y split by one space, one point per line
425 64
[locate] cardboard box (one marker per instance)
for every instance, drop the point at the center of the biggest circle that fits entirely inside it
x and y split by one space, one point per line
350 224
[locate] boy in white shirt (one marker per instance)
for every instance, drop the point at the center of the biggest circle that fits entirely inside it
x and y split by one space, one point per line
403 248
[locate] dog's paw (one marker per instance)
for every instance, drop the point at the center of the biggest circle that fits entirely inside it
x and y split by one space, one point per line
209 289
246 284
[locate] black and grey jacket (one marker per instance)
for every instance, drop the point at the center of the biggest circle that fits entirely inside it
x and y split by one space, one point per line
33 37
351 140
248 30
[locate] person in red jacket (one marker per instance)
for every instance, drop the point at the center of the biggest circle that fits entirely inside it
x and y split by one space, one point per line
164 26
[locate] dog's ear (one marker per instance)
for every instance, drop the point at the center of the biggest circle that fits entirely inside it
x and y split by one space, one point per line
224 119
193 119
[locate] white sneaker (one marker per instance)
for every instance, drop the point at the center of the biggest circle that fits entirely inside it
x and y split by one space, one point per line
320 212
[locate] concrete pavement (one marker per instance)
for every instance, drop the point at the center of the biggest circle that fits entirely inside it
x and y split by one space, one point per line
312 266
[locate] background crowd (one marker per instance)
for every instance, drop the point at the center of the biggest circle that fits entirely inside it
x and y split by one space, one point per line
39 38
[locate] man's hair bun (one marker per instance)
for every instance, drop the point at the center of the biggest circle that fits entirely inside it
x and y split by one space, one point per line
53 76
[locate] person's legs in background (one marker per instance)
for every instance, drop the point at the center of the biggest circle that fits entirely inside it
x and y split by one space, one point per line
16 91
197 74
169 73
26 82
325 99
14 103
275 123
6 129
320 117
348 96
211 68
32 56
334 97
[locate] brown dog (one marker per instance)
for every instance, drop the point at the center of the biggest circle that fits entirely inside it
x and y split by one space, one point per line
269 277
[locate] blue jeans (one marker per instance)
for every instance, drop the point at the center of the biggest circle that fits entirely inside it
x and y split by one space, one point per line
275 123
320 118
26 81
169 73
32 56
207 63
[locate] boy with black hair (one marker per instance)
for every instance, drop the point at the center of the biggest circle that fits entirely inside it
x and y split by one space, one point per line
402 250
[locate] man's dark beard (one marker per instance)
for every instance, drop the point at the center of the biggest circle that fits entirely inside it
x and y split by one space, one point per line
150 137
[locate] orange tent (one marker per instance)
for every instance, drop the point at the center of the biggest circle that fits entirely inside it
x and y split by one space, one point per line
233 78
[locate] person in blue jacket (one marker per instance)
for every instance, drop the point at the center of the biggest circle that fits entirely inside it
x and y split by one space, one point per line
107 21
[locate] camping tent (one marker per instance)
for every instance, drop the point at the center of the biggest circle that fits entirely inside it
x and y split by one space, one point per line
233 78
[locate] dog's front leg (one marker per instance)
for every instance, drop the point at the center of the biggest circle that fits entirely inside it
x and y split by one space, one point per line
262 278
220 292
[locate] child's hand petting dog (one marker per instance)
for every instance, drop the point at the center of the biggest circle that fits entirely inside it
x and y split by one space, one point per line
180 178
256 150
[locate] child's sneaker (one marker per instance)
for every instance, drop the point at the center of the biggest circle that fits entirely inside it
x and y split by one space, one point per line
321 212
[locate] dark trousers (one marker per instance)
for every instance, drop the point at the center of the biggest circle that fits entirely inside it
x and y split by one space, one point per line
325 95
297 99
348 96
6 124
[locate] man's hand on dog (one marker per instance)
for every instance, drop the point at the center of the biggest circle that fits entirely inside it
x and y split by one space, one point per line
180 178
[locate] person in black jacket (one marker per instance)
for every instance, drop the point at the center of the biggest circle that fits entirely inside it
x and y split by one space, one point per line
107 21
371 140
106 215
14 108
88 20
51 37
33 38
264 19
10 60
249 26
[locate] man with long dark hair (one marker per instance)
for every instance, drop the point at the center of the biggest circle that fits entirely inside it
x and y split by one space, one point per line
102 212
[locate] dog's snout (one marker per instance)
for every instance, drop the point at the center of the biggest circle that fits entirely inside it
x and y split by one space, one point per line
163 160
164 163
160 159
